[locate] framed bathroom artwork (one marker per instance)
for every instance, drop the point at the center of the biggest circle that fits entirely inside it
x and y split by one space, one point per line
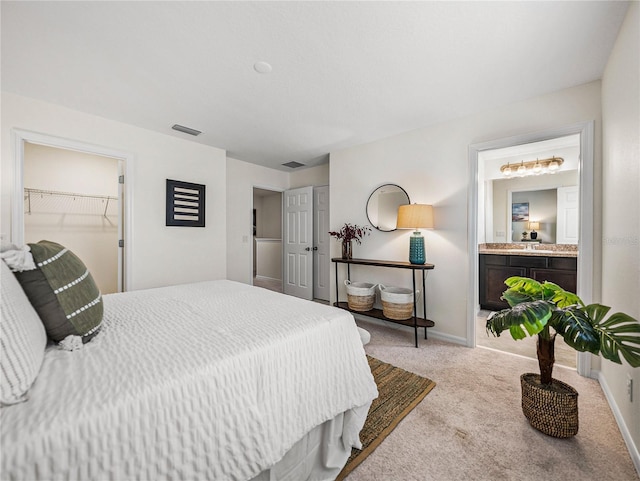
519 211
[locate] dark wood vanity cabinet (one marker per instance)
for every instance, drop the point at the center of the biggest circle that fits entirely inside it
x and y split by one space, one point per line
494 269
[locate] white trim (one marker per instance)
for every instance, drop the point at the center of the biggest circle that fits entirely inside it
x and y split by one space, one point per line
17 204
473 303
586 241
624 430
19 137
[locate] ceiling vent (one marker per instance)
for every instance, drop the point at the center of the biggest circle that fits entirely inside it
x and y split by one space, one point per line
186 130
293 165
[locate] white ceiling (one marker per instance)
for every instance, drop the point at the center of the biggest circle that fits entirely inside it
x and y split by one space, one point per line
344 73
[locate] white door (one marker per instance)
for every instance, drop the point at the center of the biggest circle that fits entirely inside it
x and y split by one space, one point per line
321 262
298 242
568 215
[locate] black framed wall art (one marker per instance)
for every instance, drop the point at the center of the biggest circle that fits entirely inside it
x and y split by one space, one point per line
185 204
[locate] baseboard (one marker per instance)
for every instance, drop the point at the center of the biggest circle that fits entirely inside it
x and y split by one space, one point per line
265 278
440 336
624 430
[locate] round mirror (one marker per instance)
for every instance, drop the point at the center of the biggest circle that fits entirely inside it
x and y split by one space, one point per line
382 206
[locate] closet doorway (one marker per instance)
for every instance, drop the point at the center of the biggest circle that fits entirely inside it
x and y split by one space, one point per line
73 198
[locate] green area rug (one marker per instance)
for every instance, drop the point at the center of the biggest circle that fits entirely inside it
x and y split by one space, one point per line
399 392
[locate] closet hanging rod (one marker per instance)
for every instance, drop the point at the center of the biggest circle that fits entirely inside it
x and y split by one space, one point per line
28 191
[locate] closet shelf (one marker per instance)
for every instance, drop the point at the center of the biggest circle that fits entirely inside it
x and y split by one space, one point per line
30 196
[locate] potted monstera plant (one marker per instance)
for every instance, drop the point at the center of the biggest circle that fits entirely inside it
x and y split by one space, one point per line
547 310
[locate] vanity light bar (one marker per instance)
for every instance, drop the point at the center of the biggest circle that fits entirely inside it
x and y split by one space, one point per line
533 167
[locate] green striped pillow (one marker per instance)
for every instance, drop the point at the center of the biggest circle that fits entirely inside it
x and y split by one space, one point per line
62 292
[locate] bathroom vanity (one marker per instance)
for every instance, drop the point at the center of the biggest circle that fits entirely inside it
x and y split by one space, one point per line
498 262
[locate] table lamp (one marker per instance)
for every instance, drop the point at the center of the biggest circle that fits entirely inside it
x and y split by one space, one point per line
533 226
415 216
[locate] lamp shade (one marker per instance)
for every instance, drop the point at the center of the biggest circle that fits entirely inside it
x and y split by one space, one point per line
415 216
534 225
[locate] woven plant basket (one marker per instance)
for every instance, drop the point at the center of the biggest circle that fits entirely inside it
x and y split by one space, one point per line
397 302
361 303
360 295
551 410
398 312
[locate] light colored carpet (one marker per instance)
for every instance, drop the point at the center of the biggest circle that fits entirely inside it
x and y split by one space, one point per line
268 283
471 427
399 391
564 354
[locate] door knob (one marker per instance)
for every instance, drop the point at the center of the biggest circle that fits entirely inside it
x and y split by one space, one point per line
307 248
315 248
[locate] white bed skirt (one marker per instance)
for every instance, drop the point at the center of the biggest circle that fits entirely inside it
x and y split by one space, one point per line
320 454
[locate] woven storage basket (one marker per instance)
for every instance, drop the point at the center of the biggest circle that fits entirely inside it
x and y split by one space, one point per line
360 295
553 413
397 302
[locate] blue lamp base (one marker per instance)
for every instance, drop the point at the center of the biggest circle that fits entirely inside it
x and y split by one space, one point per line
416 249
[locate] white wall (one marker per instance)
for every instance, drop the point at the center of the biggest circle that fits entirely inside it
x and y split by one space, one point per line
241 178
621 205
269 258
160 255
315 176
270 216
431 164
87 226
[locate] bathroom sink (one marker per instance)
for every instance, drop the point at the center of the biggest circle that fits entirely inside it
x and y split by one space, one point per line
522 251
526 251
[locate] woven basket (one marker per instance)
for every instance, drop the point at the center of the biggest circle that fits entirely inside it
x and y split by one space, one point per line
398 312
361 303
553 412
397 302
360 295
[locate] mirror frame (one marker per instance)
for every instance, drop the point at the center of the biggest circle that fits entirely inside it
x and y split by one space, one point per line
369 200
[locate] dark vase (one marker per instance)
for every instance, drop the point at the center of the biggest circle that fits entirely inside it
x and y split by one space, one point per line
347 252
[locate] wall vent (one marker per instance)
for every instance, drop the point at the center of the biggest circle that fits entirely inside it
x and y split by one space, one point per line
186 130
293 164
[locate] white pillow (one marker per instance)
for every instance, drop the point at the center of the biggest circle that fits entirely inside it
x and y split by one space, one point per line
22 338
18 260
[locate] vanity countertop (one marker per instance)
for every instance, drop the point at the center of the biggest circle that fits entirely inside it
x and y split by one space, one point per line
540 250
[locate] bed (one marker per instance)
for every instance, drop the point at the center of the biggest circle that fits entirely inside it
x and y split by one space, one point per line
207 381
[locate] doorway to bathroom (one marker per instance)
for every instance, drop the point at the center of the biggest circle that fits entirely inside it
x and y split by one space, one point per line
495 226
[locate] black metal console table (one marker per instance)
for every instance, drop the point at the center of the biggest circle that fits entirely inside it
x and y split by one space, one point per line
413 321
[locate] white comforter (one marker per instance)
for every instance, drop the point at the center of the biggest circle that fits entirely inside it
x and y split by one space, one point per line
215 381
